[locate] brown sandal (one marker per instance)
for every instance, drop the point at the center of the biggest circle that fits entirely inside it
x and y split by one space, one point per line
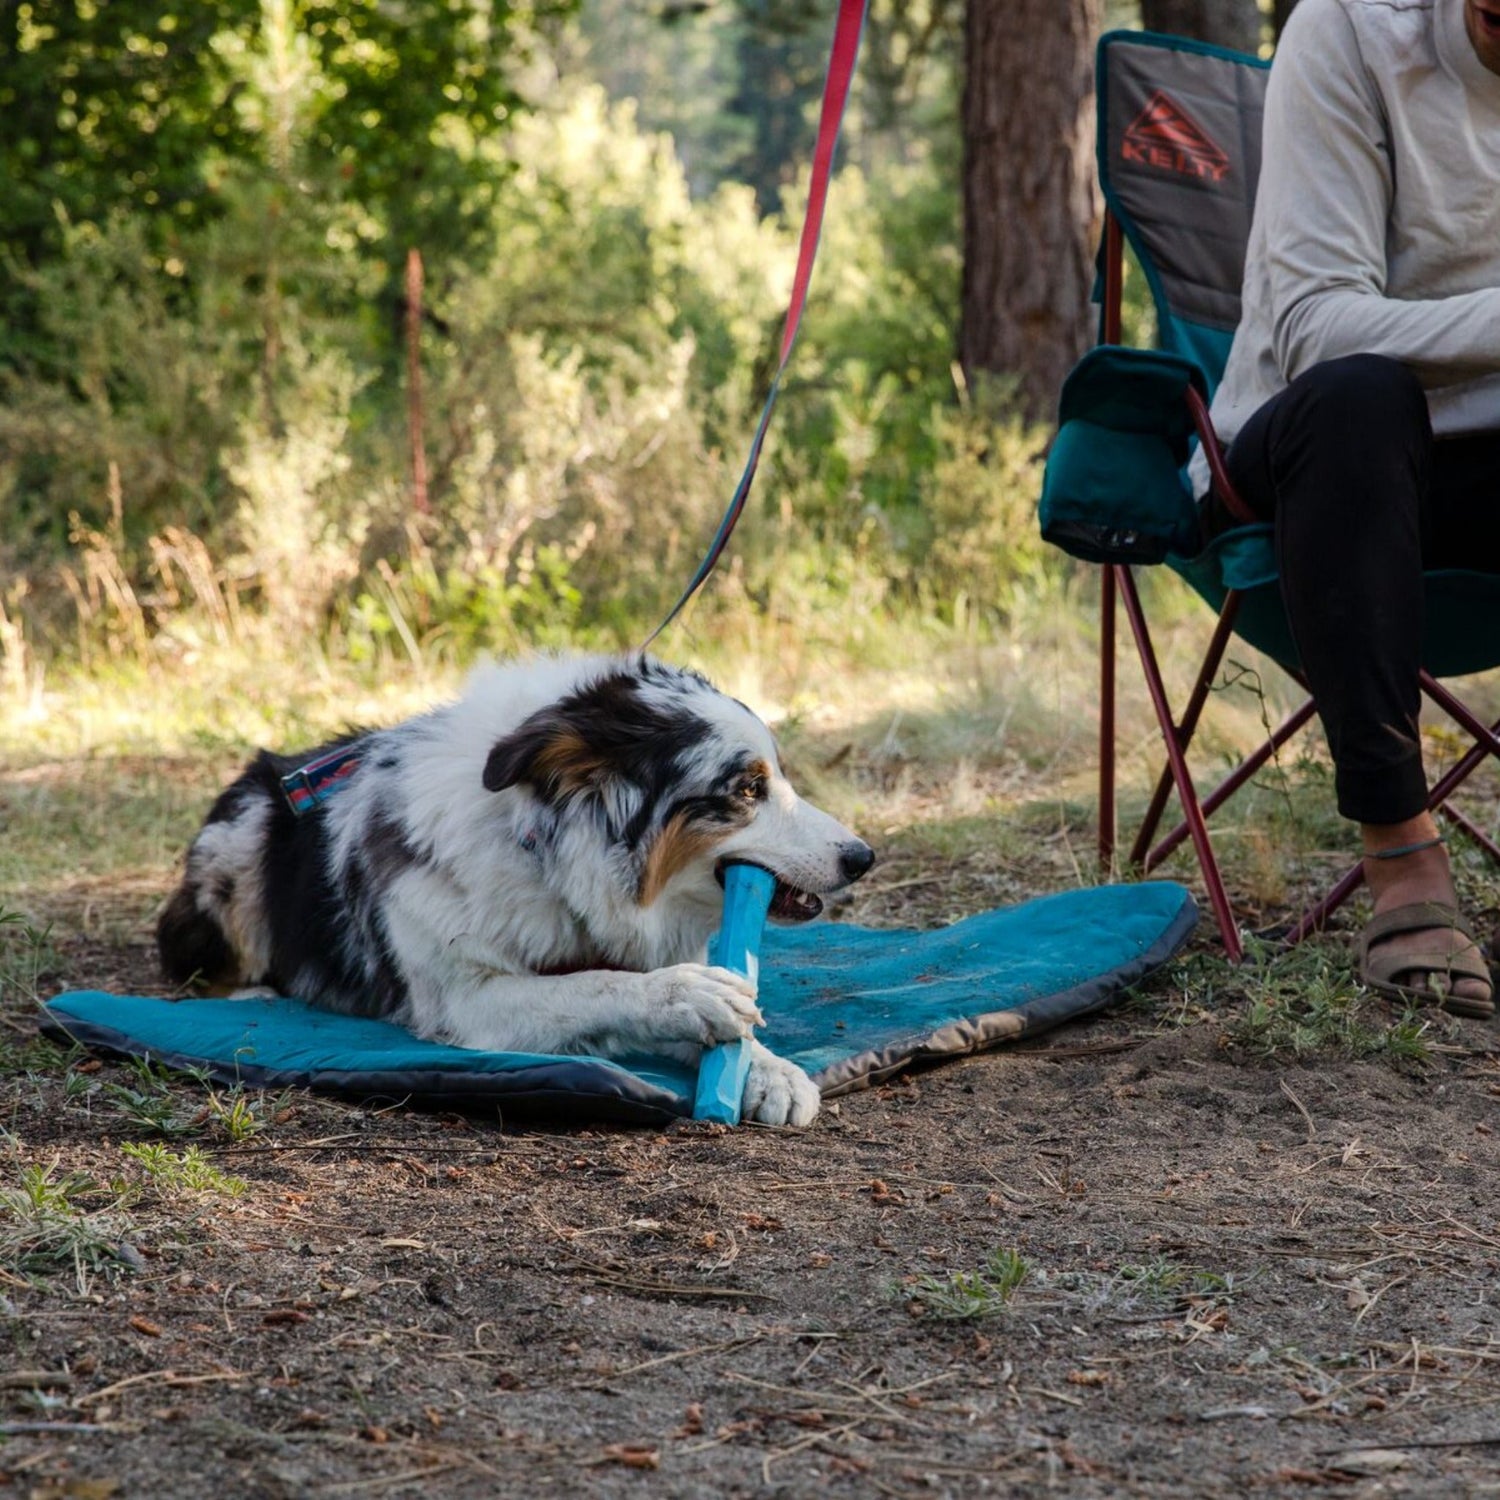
1452 954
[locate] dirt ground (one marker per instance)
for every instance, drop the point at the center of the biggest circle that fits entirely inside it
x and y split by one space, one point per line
1239 1272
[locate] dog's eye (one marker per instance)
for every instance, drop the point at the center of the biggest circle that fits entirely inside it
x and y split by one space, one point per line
751 789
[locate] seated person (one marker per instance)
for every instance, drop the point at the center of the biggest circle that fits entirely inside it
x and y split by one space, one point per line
1361 405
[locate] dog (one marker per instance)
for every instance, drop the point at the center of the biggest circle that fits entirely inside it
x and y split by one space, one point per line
535 867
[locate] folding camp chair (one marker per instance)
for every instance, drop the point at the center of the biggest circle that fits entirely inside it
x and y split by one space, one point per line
1178 158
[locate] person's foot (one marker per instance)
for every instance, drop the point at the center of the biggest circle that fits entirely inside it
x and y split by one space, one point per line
1414 870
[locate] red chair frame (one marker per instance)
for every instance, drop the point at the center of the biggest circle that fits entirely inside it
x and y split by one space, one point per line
1119 589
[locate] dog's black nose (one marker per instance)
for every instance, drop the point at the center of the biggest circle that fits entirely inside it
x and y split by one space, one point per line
855 858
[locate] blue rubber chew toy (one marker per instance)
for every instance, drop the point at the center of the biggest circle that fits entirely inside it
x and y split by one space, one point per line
722 1073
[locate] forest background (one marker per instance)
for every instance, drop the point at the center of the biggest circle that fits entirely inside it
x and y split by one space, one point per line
1238 1236
228 421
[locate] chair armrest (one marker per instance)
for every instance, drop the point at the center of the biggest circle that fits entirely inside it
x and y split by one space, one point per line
1115 490
1125 389
1213 452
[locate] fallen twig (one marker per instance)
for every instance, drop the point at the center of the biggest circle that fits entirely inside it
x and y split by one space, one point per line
676 1355
166 1377
386 1481
1041 1390
1100 1049
807 1442
19 1429
1479 1442
1312 1133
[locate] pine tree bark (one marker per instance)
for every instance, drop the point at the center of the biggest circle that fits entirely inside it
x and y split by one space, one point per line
1226 23
1031 212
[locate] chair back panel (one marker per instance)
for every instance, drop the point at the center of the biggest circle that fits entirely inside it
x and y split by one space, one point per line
1179 158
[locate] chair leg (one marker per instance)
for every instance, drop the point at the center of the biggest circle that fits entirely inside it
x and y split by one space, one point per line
1486 737
1184 731
1471 830
1286 730
1107 719
1119 585
1181 776
1487 743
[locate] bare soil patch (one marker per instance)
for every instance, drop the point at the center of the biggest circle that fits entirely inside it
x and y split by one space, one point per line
1240 1270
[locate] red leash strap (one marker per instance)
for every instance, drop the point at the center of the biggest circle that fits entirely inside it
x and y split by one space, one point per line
846 34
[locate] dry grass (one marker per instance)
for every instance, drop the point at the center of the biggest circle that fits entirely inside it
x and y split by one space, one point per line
1238 1234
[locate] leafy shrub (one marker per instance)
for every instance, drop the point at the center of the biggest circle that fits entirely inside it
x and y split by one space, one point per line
590 392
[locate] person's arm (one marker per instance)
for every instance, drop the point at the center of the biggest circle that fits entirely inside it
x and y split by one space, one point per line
1326 192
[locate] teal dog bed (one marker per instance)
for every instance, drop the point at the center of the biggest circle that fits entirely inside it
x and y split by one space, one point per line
851 1005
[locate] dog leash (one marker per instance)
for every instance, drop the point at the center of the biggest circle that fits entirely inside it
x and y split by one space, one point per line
846 34
310 785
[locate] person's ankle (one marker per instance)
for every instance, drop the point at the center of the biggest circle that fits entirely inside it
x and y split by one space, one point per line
1387 841
1406 862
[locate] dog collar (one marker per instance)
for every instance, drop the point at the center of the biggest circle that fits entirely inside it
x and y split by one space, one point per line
312 784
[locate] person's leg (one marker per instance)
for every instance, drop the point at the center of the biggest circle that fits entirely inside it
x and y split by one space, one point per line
1343 461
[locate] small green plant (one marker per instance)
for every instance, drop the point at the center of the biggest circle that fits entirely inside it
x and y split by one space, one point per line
235 1115
77 1085
151 1104
972 1294
1166 1278
1308 1004
46 1224
1406 1040
154 1112
189 1171
1183 993
28 1056
1160 1285
24 956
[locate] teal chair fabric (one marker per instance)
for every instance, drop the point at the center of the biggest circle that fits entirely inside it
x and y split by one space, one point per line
1178 155
1115 488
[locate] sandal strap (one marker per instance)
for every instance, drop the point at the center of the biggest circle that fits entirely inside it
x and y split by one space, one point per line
1417 916
1464 962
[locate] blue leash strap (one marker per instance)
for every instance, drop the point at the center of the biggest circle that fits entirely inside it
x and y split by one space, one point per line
845 51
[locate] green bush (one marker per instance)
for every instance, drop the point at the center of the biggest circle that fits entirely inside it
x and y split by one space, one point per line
590 391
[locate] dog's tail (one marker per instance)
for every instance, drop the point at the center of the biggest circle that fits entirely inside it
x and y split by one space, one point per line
194 949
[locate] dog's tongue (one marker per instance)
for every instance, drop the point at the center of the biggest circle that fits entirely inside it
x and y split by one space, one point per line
792 905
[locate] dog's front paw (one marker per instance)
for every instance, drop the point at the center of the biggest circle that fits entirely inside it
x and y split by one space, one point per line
702 1005
778 1092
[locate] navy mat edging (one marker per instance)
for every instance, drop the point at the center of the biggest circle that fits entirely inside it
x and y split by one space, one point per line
612 1092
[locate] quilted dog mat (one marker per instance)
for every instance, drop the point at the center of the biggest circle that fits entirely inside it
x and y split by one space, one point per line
851 1005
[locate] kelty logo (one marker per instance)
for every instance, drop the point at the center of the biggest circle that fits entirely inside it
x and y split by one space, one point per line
1165 136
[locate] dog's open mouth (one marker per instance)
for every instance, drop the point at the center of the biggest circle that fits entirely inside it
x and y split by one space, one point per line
792 905
788 903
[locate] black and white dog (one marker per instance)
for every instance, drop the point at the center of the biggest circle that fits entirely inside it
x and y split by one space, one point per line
533 868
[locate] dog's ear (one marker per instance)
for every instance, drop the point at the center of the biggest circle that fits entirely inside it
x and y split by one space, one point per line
547 753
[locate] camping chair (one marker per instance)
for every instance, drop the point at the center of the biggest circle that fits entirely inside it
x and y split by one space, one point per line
1178 157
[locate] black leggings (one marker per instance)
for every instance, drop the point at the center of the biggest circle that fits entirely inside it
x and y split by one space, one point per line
1363 499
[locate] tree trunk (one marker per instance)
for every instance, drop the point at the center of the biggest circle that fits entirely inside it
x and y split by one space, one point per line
1030 199
1226 23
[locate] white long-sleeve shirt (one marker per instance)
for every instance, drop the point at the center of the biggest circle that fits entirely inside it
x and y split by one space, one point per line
1377 214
